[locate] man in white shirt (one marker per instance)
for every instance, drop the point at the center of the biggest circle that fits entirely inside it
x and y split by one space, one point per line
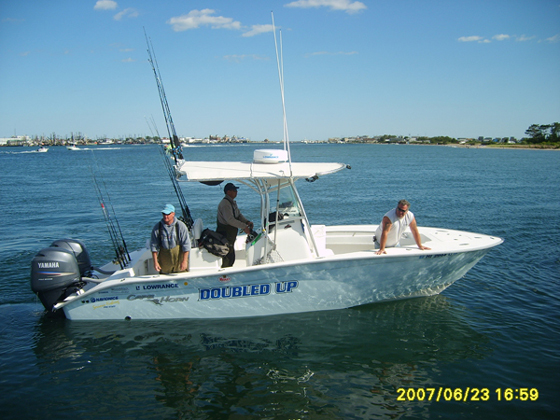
393 226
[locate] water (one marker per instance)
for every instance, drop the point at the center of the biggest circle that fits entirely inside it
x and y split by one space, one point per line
496 328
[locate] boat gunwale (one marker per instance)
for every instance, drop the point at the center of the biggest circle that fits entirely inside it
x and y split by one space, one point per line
404 252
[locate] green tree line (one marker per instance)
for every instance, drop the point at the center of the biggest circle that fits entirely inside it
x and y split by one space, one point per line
543 133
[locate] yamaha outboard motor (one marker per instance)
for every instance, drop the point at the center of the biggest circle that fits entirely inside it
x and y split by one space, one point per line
56 271
80 252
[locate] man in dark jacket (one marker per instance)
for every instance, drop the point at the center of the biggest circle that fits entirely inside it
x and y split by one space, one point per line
230 220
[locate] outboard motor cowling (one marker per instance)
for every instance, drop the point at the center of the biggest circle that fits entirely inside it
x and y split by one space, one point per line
53 271
80 252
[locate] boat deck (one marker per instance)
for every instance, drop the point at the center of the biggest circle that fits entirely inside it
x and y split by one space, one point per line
332 242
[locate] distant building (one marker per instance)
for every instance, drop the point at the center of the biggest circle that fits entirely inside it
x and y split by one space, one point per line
14 141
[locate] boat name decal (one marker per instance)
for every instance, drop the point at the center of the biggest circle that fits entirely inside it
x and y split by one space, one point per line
158 286
48 264
434 256
101 299
158 301
245 291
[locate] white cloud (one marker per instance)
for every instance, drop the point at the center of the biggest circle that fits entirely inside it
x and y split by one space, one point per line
128 60
347 6
501 37
473 38
130 12
197 18
258 29
105 5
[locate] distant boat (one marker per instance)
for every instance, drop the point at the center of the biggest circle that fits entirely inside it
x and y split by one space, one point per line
42 149
72 147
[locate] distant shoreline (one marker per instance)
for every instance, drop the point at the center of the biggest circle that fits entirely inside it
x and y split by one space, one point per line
510 147
452 145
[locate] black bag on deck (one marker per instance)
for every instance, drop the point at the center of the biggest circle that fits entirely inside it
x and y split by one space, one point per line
215 243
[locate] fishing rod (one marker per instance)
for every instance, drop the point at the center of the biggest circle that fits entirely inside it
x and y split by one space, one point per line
186 218
170 170
124 248
119 252
115 233
176 149
150 127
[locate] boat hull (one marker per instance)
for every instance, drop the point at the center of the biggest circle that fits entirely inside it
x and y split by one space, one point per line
323 284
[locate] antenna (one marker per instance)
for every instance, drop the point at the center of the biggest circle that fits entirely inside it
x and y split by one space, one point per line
280 65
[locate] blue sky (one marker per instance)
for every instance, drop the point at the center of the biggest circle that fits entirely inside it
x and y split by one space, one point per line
406 67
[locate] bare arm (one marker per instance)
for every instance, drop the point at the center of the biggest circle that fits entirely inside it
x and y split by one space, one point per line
416 234
185 262
156 263
387 225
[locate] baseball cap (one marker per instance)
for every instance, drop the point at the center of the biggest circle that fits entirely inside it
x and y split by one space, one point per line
168 209
230 187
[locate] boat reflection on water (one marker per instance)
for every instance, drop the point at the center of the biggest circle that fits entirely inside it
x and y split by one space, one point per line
356 357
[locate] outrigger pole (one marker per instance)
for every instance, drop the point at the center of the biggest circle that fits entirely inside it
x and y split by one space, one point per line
176 149
280 64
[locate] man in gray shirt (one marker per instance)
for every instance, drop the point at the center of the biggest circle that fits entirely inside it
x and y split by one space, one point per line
170 243
230 220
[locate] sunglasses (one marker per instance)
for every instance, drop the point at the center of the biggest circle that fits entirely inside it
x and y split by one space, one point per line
403 210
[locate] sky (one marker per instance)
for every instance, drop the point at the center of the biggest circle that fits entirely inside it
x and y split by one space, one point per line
350 68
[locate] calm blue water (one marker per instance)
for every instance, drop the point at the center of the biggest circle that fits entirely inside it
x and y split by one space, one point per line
496 328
